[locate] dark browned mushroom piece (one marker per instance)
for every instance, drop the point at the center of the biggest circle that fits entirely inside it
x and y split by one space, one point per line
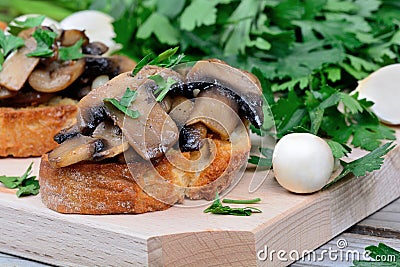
26 97
18 66
111 66
243 85
94 48
56 76
111 136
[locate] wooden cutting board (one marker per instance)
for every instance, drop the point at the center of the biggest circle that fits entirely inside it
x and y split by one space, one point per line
188 237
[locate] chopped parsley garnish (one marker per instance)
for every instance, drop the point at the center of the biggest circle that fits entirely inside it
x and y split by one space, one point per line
26 184
125 102
165 59
8 43
217 208
71 52
44 40
163 86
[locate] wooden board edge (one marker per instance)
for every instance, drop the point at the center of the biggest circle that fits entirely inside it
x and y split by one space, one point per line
207 248
329 213
66 243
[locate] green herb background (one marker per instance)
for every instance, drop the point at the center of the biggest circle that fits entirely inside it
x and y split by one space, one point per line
309 53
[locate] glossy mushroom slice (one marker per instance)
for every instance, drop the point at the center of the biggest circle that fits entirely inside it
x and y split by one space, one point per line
70 37
153 132
217 109
79 148
18 66
56 76
91 107
245 85
111 136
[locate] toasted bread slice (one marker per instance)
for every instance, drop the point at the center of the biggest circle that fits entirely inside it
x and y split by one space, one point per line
26 132
110 188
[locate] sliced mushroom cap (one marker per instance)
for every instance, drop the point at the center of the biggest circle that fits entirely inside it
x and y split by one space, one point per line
217 109
5 93
70 37
56 77
18 66
111 137
27 97
153 132
243 84
91 107
181 109
76 149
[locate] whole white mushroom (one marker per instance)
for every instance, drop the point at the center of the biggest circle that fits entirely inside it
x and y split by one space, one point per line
302 162
382 87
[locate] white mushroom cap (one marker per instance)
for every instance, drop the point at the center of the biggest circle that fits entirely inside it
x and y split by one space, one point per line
97 25
383 88
302 162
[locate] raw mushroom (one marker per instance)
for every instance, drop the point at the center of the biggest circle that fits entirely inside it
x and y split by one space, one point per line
246 87
382 88
56 76
18 66
302 162
217 109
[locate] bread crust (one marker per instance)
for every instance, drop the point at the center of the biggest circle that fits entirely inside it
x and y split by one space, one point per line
111 188
26 132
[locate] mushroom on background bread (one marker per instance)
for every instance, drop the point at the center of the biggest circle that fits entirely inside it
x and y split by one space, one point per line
38 95
191 142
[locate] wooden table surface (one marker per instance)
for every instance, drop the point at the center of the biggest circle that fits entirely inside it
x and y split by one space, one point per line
381 227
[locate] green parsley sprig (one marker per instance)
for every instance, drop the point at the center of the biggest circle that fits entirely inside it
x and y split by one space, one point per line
359 167
125 102
164 59
26 184
217 208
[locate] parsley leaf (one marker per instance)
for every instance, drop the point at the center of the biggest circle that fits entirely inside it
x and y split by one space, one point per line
26 184
199 13
17 26
123 104
44 39
163 86
217 208
71 52
8 43
164 59
368 163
